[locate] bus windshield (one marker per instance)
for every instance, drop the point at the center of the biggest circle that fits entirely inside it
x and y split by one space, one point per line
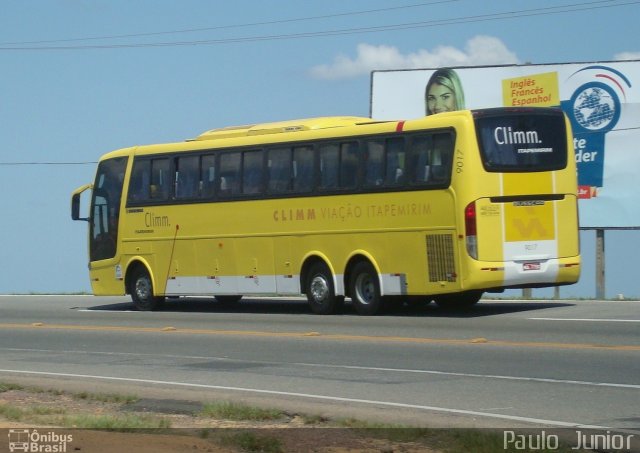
105 208
522 141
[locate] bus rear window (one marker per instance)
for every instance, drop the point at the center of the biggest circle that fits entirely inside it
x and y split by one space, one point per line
525 141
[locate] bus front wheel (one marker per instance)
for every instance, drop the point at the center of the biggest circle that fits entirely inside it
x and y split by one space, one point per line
365 289
320 290
142 291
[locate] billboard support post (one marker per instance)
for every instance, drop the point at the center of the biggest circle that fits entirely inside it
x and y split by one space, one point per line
600 280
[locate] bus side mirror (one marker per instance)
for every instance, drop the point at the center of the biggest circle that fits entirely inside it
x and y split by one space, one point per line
75 203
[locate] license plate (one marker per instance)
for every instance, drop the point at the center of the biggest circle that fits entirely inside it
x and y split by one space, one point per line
531 266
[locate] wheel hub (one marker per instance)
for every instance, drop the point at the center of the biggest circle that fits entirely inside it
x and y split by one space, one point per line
365 289
319 288
143 289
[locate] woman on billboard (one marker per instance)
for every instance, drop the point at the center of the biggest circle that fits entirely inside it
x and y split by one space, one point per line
444 92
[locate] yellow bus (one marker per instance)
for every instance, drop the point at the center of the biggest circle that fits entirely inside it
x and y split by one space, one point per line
443 208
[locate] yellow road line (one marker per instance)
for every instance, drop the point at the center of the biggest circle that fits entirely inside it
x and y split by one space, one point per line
318 335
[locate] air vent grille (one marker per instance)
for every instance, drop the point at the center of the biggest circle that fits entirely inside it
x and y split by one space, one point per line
440 258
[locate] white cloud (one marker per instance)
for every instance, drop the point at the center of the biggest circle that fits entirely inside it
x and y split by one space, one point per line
627 56
479 50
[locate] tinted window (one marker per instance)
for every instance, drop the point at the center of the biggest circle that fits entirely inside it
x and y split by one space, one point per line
395 173
252 172
105 208
384 162
187 177
160 179
374 163
329 166
208 176
303 169
150 180
230 174
140 181
279 169
522 142
431 157
348 165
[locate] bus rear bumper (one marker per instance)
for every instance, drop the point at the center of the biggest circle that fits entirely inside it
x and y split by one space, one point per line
523 274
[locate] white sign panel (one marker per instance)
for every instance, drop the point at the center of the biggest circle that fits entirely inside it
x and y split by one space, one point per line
602 101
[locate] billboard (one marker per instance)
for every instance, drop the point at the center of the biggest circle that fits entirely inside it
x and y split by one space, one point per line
601 99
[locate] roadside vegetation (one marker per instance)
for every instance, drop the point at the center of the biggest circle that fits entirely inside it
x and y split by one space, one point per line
247 428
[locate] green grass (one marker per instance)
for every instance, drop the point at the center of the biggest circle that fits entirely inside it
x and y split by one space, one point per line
314 419
250 442
7 386
106 397
239 412
33 413
120 422
58 416
445 440
87 396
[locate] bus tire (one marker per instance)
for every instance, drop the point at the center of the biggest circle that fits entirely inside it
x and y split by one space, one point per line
458 301
365 289
320 290
228 300
142 291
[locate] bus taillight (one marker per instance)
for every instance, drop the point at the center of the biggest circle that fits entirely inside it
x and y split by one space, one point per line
470 230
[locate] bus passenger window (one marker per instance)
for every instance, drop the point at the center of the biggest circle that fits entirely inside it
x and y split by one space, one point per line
187 177
329 158
348 165
303 169
208 176
279 168
441 156
160 179
252 172
421 147
395 174
139 181
230 174
374 163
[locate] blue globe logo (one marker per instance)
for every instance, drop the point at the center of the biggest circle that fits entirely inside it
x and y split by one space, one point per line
596 107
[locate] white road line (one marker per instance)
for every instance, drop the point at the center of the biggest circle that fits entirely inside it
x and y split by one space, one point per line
484 376
538 421
585 319
345 367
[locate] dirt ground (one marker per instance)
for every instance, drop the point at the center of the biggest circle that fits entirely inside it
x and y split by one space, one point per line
290 433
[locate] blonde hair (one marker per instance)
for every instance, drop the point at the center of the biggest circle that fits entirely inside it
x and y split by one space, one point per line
449 79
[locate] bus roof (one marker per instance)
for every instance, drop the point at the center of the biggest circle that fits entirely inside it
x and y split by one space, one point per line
268 133
284 126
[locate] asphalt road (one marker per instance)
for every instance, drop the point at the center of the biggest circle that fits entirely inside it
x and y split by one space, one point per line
503 364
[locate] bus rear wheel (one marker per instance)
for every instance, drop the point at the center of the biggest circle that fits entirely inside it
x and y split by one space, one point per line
365 289
142 291
320 290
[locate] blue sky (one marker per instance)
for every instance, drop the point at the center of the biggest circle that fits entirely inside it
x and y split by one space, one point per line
81 78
